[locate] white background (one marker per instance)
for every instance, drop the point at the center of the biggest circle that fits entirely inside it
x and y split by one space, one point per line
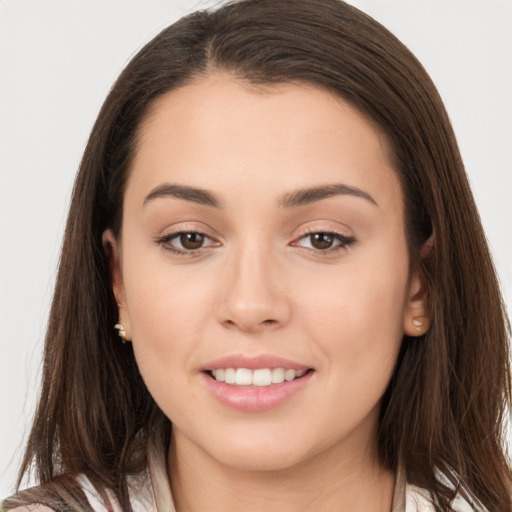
58 61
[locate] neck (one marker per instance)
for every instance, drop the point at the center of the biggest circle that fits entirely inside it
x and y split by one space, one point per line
329 481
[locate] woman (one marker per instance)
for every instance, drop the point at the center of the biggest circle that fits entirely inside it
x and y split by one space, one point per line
273 213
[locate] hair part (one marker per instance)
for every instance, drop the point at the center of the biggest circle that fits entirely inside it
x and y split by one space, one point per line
446 404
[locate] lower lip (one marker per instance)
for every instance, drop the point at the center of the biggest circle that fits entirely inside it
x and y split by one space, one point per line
255 399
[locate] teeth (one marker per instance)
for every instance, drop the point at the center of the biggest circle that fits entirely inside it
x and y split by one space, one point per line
289 375
261 377
277 375
229 375
243 377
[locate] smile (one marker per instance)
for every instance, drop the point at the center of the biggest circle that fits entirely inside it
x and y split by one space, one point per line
255 384
261 377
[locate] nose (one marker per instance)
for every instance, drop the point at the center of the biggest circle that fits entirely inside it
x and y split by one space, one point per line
254 297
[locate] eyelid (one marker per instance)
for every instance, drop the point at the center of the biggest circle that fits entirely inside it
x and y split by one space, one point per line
345 240
164 239
323 226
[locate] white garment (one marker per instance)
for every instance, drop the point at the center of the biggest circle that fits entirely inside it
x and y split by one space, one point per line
142 499
417 500
141 496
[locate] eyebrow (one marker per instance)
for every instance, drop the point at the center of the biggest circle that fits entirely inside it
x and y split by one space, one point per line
193 194
310 195
294 199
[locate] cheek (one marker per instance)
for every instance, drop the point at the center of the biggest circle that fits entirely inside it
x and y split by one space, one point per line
167 316
168 311
357 330
357 317
161 294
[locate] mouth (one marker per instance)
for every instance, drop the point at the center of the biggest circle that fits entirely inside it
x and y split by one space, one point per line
259 377
256 383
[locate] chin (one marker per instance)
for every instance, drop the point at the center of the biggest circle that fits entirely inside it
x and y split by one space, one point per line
258 461
261 450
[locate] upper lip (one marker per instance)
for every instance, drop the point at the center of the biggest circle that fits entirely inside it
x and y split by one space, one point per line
253 362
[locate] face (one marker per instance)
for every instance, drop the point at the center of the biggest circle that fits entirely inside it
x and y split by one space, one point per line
262 272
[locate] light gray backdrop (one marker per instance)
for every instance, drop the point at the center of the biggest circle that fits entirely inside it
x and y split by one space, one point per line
58 60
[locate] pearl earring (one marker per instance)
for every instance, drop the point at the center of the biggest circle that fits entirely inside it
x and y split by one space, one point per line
121 331
417 323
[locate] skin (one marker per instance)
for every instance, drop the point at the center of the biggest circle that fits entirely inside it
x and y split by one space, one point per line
259 285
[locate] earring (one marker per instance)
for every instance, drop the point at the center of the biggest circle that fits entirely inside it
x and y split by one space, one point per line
121 332
417 323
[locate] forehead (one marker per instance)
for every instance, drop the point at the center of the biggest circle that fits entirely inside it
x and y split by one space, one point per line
218 130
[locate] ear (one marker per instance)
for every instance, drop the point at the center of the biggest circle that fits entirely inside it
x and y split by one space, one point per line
427 247
416 314
112 251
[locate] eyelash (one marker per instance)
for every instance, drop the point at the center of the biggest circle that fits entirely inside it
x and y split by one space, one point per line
165 240
344 242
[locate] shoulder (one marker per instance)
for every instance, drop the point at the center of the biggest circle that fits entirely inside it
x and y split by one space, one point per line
419 500
139 488
80 494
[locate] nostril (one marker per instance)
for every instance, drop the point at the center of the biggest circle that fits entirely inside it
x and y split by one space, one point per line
248 324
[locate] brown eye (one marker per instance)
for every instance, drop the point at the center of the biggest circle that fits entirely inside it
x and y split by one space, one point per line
187 243
191 241
322 241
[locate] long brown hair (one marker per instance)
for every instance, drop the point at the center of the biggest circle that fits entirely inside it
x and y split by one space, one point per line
445 407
